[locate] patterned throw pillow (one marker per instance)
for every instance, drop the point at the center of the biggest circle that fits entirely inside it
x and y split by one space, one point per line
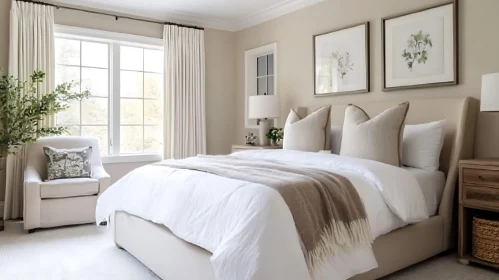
68 163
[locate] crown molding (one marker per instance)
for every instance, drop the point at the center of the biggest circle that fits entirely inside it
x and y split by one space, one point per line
204 21
272 13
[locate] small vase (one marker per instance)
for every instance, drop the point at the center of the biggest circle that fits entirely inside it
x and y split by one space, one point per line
273 142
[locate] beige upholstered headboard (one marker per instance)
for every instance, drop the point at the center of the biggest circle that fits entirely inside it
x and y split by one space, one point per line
460 114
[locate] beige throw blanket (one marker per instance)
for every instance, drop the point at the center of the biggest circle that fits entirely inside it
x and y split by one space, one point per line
327 210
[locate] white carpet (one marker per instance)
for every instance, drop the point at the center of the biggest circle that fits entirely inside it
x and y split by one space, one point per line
80 252
88 252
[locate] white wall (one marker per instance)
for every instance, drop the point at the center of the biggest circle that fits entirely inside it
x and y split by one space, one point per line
118 170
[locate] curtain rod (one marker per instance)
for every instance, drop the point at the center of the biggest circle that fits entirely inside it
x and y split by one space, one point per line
111 15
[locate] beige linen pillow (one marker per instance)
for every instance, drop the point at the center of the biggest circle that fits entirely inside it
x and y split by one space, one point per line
307 134
379 138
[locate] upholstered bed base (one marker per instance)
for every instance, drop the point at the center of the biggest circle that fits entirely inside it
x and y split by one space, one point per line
173 258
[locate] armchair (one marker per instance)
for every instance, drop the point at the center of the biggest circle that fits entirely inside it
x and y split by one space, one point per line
62 201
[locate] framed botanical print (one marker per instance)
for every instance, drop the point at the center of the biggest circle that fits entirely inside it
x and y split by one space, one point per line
341 61
420 48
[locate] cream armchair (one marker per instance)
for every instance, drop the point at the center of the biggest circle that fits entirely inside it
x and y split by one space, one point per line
63 201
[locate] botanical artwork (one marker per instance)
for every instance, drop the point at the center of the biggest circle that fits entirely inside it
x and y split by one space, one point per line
344 63
341 61
417 46
419 49
68 163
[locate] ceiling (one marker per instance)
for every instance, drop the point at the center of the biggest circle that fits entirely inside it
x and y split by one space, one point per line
229 15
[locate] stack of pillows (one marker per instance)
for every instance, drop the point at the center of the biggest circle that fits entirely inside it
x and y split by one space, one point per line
384 138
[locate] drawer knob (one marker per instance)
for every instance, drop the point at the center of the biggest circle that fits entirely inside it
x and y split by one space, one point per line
481 178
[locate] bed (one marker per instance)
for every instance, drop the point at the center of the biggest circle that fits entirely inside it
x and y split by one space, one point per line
173 258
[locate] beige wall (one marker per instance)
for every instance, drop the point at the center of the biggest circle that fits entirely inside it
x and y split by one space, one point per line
293 33
219 47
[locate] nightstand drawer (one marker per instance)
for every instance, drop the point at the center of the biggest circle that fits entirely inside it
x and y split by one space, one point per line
480 176
488 196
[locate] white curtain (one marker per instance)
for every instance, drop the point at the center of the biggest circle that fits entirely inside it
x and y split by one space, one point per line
185 122
31 49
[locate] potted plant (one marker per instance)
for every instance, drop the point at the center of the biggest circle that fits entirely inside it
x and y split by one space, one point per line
275 135
21 110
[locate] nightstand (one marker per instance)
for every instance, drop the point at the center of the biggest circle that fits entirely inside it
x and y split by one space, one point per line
478 196
238 148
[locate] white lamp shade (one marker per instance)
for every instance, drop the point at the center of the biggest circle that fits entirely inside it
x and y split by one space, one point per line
264 107
490 93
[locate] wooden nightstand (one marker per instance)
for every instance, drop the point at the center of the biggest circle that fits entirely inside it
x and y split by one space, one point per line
478 195
238 148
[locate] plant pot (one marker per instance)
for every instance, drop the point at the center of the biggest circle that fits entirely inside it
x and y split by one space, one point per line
273 142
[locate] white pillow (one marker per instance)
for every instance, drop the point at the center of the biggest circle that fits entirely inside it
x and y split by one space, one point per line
308 134
336 135
379 138
422 145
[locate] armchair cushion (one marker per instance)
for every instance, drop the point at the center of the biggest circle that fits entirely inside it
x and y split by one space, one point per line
68 163
63 188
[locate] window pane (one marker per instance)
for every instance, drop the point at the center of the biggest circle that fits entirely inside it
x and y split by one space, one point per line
94 54
99 132
95 80
152 112
131 58
70 116
262 66
72 130
270 63
131 84
262 86
153 61
153 139
94 111
152 85
131 139
132 111
270 85
66 74
67 51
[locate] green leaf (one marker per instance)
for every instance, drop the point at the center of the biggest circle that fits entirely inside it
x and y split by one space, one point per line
21 109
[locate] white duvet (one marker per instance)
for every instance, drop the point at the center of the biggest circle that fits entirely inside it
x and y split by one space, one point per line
248 227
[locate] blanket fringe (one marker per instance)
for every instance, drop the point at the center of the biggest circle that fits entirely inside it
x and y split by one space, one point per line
338 237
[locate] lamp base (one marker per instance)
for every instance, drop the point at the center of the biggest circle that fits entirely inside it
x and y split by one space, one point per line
264 129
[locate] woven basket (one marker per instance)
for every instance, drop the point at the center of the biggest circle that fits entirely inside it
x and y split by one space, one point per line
486 240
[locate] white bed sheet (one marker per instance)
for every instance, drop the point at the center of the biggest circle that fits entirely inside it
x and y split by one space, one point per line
248 227
432 184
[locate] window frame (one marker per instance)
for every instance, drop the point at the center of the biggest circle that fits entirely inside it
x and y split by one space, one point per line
115 41
250 75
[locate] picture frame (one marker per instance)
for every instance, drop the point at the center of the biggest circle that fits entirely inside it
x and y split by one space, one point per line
342 61
420 48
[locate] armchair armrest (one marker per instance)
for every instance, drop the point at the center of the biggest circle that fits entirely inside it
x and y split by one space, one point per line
32 199
31 176
100 174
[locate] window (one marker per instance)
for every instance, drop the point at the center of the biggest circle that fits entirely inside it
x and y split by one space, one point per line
88 64
125 80
260 76
265 74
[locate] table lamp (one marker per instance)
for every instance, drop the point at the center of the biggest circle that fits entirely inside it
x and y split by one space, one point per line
263 108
